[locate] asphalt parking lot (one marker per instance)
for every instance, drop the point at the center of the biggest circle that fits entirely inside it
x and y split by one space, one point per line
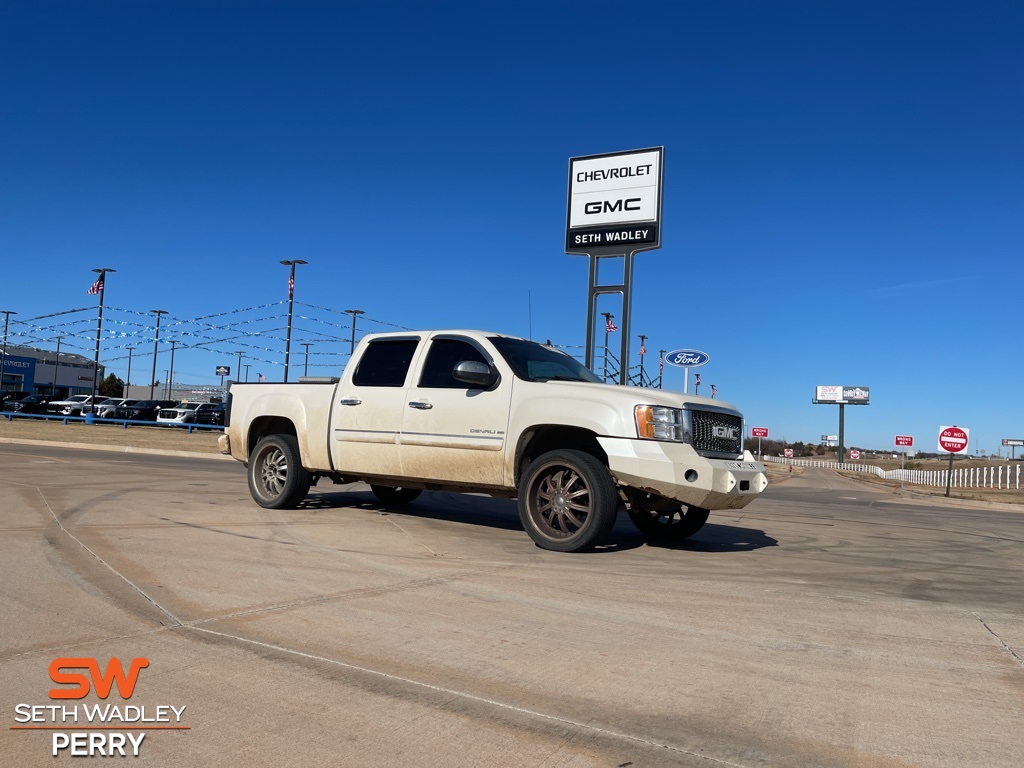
828 624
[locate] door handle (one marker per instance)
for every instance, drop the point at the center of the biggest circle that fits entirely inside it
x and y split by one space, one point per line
421 405
350 401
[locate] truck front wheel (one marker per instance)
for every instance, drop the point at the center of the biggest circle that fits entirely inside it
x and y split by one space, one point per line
277 479
666 519
567 501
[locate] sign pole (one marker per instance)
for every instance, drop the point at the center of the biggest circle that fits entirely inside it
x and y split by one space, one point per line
949 474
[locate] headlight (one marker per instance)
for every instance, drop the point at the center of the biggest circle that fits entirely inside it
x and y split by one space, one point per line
655 422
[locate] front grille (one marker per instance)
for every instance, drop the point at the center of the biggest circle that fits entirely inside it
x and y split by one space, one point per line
714 433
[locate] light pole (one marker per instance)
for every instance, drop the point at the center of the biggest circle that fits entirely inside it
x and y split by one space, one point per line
291 264
247 372
99 287
305 366
128 381
156 340
352 344
238 370
3 354
56 367
170 375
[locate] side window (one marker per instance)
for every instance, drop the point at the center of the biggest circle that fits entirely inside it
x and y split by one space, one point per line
441 360
385 363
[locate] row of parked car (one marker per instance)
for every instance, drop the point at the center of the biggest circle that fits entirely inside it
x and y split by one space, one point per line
160 411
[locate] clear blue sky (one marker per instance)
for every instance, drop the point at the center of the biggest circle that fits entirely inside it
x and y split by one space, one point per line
843 185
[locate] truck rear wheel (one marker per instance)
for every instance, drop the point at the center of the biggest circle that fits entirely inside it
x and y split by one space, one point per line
386 494
277 479
567 501
666 519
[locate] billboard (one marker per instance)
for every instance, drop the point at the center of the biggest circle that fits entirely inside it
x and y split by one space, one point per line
1011 441
615 202
847 395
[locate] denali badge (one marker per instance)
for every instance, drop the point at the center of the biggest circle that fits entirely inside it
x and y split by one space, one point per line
725 433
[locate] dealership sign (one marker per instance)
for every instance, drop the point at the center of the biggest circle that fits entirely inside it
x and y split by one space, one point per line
845 395
615 202
687 358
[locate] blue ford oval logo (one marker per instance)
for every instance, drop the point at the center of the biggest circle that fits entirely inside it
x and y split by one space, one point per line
687 358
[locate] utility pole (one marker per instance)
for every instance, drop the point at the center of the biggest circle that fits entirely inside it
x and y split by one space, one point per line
128 377
156 340
608 316
3 355
643 351
352 344
248 365
56 368
305 365
99 287
291 264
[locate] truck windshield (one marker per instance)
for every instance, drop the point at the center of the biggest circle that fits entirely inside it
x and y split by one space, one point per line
535 362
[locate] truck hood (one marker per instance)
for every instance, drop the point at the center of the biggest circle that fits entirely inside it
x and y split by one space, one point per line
628 396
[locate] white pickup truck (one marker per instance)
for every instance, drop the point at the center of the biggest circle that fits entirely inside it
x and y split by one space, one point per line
482 412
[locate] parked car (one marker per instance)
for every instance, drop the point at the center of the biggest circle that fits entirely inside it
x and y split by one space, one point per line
30 404
72 403
106 409
143 410
211 413
183 413
14 394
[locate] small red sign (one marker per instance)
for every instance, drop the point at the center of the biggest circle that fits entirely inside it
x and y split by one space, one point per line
759 431
953 439
904 440
854 454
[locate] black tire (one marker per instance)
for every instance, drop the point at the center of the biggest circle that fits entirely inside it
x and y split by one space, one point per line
388 495
665 519
567 501
277 479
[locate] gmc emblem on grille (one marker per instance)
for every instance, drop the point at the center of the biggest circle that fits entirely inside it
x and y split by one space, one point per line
724 433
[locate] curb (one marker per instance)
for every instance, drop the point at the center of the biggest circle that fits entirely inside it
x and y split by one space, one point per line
116 449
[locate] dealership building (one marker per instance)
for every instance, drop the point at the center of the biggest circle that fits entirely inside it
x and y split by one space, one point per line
44 372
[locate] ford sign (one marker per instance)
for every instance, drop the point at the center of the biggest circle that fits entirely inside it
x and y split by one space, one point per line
687 358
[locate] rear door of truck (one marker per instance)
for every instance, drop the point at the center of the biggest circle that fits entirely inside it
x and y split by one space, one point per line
370 406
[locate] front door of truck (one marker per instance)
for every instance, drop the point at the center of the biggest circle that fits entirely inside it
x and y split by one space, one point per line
452 431
370 407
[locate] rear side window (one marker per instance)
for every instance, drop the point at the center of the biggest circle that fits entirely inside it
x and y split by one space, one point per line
385 363
442 358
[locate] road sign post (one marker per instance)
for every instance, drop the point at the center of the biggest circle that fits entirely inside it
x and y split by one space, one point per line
952 440
759 432
904 441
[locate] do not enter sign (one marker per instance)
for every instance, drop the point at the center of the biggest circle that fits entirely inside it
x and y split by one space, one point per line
953 439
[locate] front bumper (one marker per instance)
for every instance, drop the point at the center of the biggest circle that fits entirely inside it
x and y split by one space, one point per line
676 471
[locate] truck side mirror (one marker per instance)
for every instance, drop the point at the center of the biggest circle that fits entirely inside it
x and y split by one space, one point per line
475 373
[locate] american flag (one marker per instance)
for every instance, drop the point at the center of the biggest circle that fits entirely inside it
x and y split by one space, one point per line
97 287
643 350
610 326
661 366
291 285
714 391
262 377
698 379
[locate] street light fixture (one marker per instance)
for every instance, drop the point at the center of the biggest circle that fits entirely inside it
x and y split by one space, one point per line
291 263
101 286
3 354
156 341
352 344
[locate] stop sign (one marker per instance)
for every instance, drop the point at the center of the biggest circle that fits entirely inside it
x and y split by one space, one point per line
953 439
854 454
